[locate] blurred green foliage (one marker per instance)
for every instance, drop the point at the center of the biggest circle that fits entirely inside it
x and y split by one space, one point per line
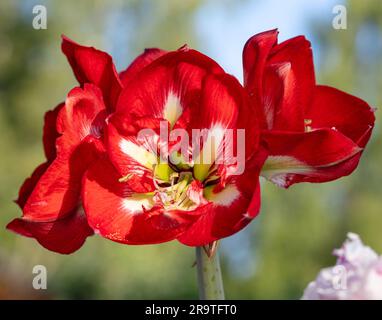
296 230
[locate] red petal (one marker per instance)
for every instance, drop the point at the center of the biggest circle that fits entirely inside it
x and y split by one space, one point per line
223 109
234 208
30 183
83 115
131 158
50 134
293 89
255 55
282 103
143 60
221 99
93 66
63 236
316 156
54 188
166 87
117 214
297 51
57 192
348 114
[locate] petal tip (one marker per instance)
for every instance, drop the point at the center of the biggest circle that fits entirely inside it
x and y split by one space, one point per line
184 48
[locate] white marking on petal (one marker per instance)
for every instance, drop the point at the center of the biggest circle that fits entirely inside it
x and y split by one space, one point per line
88 129
212 151
172 109
278 168
135 205
281 164
225 197
212 147
217 132
268 110
138 153
247 216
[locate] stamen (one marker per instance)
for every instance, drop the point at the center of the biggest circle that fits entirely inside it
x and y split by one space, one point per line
173 176
125 178
174 191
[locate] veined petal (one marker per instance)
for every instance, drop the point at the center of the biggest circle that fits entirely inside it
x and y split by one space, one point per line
298 52
50 133
282 103
57 191
255 55
316 156
220 103
348 114
165 88
50 136
63 236
272 88
216 114
119 214
143 60
229 210
93 66
133 159
83 115
30 183
53 190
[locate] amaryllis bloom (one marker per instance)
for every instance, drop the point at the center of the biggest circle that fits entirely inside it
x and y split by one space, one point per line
136 195
99 177
357 275
51 198
313 133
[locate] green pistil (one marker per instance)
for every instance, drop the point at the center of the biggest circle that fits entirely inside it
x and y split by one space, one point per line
208 192
179 161
171 186
201 171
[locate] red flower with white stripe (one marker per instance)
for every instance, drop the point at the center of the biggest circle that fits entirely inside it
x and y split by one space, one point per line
73 132
120 161
132 197
100 177
313 133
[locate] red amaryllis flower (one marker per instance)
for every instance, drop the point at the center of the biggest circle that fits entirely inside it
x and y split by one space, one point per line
50 198
313 133
132 197
100 177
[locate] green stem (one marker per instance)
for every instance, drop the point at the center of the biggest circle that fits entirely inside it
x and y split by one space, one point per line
209 276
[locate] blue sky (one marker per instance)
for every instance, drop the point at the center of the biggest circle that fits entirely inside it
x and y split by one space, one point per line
225 29
223 32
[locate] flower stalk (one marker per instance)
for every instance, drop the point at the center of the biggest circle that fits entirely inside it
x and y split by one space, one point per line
210 281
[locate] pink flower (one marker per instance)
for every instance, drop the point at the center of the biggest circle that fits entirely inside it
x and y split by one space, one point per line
357 275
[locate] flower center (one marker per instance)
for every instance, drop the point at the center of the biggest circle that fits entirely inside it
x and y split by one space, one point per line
174 195
177 188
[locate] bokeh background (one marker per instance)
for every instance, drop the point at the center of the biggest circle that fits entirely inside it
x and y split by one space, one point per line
282 250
